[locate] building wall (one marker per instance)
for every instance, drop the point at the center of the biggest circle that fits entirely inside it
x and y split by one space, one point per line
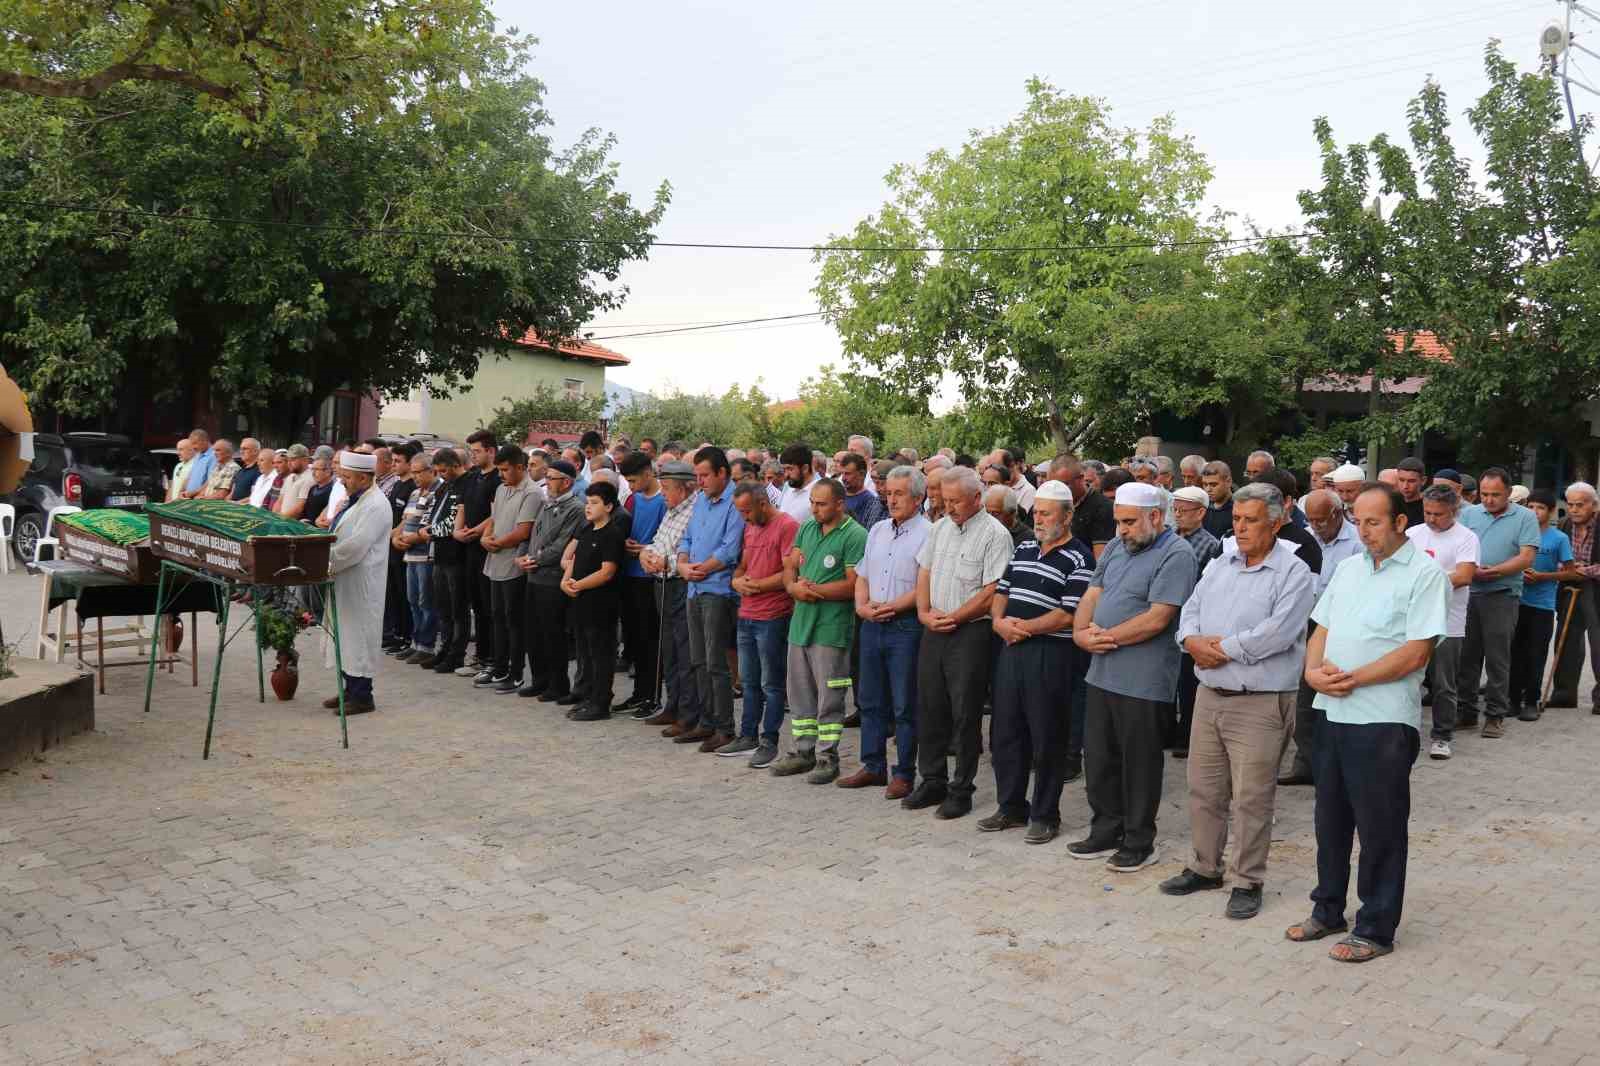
514 374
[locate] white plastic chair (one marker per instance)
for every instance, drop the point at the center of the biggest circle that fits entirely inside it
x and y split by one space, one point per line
49 525
8 522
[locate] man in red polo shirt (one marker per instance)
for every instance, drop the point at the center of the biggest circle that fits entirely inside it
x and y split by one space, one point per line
764 609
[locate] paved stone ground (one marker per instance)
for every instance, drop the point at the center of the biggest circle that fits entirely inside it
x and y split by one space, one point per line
478 880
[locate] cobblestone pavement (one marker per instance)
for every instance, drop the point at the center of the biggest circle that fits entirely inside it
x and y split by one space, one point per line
478 880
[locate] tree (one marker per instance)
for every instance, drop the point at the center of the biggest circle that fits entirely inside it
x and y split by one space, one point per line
264 65
1062 183
387 255
510 423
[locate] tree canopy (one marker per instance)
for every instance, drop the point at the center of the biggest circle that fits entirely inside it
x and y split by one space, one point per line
384 255
262 65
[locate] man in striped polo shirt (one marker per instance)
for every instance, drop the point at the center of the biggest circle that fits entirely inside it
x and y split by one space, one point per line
1033 681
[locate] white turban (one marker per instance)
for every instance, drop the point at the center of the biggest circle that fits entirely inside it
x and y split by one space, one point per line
1054 490
1193 495
365 462
1348 473
1142 495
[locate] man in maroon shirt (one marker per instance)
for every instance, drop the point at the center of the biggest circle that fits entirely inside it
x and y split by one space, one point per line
764 609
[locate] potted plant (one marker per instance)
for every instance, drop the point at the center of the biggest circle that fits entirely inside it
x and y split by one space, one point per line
278 629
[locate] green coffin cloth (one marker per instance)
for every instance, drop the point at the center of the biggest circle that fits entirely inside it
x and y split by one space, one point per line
118 527
233 520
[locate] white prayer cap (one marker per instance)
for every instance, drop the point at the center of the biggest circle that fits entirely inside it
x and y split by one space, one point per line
1054 490
1141 494
365 462
1192 494
1519 494
1348 473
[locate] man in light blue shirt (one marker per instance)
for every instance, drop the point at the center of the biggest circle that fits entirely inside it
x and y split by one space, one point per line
707 556
1245 628
204 463
1508 537
1377 624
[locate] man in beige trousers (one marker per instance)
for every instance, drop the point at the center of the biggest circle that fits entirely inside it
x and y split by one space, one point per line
1245 627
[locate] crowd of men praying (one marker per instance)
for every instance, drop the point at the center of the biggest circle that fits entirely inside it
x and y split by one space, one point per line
1100 615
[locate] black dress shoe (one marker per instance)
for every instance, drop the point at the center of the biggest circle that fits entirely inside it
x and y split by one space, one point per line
356 707
927 794
571 699
530 692
1244 903
588 714
852 721
428 662
954 807
446 666
1296 779
1561 699
1187 882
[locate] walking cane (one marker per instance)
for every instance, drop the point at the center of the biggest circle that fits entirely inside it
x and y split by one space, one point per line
661 625
1561 642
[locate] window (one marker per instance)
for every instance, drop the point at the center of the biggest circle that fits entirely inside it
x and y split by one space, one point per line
574 388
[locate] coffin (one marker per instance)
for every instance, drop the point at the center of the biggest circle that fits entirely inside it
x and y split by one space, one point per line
112 540
236 540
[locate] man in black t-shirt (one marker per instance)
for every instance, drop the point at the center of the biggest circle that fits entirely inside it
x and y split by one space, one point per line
1092 520
593 580
477 488
1411 477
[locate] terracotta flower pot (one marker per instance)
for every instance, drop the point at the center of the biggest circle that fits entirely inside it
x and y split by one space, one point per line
171 634
285 677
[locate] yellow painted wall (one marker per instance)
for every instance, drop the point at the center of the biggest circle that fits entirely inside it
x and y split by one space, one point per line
514 374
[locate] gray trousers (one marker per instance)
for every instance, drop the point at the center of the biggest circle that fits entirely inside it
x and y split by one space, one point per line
1442 671
1585 629
712 622
1491 623
819 678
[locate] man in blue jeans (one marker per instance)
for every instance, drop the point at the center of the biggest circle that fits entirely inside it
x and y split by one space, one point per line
886 603
764 610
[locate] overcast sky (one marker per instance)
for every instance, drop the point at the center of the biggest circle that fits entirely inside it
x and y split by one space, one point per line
777 123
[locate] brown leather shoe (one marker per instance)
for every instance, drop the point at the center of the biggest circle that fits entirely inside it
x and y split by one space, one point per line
676 729
862 778
692 736
662 718
898 789
331 703
713 742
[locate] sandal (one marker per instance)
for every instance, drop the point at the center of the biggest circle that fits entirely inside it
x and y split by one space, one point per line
1311 929
1358 949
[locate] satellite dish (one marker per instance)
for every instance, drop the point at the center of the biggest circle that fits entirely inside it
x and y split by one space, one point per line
1553 40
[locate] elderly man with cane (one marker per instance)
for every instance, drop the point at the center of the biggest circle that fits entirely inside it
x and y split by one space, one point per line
1583 634
1245 628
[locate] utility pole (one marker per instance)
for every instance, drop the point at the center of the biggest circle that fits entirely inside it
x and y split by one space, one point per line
1557 42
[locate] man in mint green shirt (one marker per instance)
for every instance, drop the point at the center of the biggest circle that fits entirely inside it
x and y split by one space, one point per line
820 574
1377 624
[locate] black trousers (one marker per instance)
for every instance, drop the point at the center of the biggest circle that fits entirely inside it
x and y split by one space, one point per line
508 606
1188 685
952 683
1307 720
1530 647
396 611
597 651
1123 763
1364 786
482 607
452 598
641 627
547 637
1583 638
1029 730
677 681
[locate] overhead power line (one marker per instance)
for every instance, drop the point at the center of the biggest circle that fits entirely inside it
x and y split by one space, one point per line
481 235
707 326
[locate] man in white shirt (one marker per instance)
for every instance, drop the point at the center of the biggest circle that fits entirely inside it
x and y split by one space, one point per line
1454 548
1335 536
799 475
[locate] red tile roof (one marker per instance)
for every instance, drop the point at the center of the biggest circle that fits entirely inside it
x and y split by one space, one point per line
574 349
1424 343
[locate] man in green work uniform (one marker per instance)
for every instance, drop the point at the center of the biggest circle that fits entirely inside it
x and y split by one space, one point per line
820 574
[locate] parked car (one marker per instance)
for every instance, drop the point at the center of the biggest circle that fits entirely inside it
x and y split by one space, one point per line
85 470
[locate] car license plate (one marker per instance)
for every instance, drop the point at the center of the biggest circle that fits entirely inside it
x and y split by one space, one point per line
126 501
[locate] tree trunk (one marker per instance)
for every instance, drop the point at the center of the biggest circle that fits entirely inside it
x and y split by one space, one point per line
1058 428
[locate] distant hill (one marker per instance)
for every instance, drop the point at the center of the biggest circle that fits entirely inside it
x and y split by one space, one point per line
619 396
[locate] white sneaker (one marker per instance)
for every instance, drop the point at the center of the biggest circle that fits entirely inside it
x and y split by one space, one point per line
1439 749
